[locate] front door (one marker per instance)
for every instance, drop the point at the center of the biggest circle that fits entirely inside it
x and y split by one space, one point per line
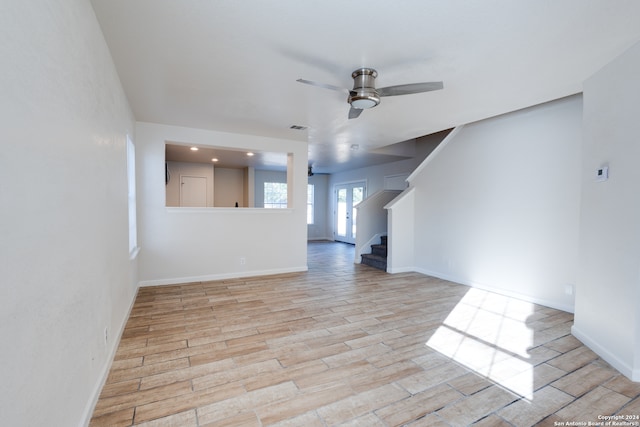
347 196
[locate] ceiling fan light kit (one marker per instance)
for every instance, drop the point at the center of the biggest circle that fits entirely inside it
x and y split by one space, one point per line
362 101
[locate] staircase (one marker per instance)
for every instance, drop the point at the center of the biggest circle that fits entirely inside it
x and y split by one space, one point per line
378 256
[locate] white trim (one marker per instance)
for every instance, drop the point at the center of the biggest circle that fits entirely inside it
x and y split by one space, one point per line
354 181
523 297
131 195
134 253
334 207
401 270
210 210
399 197
223 276
95 394
434 153
604 353
369 199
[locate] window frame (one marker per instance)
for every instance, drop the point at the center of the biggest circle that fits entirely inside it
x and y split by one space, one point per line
131 198
279 189
311 204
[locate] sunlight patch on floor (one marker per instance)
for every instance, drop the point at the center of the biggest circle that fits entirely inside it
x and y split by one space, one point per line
487 333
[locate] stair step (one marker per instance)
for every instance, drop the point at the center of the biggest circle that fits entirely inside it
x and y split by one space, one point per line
378 256
376 261
379 250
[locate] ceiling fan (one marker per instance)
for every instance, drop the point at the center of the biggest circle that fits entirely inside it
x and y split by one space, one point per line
364 94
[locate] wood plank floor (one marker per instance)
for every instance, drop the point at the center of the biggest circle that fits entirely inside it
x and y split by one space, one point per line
346 344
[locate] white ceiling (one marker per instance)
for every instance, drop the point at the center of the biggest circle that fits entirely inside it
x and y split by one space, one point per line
232 65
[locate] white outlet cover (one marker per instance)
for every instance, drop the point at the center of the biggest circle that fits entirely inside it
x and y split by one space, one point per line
602 174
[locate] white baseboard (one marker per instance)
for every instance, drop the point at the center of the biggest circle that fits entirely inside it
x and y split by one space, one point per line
396 270
319 239
95 394
604 353
523 297
223 276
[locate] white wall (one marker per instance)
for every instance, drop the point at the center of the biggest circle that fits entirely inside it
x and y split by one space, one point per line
319 230
180 244
64 256
498 205
400 238
608 291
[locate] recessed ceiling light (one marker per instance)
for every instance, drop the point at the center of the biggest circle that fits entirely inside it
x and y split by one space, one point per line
194 148
249 154
214 159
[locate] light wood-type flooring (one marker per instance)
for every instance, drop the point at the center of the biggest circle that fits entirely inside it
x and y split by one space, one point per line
346 344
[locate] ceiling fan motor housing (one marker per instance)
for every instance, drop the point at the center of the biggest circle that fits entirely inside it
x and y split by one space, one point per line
364 95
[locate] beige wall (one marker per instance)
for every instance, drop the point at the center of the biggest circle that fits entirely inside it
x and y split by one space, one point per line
229 187
178 169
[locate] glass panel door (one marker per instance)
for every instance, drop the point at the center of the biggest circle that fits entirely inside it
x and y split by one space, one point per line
357 195
347 196
341 213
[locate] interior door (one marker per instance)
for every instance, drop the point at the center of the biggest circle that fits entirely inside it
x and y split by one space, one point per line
193 191
347 196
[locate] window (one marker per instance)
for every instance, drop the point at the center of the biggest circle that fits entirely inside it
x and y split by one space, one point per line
131 184
310 200
275 195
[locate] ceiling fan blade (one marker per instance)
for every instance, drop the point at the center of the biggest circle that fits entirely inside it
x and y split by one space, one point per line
409 88
354 113
323 85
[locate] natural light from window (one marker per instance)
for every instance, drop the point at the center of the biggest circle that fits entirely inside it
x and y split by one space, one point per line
275 195
310 203
131 184
488 334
